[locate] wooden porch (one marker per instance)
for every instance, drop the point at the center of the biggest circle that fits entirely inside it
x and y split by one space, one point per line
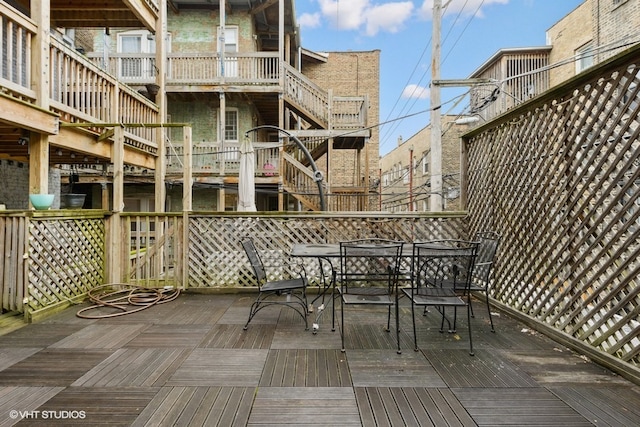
188 362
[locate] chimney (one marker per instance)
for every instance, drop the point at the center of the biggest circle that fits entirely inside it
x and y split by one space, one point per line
399 140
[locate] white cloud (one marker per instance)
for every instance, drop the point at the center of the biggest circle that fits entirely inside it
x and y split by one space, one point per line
467 7
345 15
375 18
415 91
388 17
309 20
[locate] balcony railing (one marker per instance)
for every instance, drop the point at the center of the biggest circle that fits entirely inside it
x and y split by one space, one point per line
212 158
17 33
254 68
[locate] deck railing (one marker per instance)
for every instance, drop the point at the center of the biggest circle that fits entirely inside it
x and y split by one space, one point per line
79 91
256 68
208 158
17 34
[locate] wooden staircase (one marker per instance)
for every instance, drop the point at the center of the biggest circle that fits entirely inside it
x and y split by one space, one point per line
325 116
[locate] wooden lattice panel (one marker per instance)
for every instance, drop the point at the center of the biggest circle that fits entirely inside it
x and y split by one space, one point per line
66 259
559 179
216 258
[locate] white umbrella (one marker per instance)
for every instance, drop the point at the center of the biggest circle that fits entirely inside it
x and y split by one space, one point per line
246 178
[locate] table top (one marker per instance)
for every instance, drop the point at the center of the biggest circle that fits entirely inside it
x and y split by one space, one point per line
332 250
316 250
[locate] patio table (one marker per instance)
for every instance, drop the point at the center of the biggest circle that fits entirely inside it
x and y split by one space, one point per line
328 252
323 252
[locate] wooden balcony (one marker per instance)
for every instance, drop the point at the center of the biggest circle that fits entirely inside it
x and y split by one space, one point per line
78 93
213 158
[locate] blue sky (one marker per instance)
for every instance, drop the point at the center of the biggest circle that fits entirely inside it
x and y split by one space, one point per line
472 31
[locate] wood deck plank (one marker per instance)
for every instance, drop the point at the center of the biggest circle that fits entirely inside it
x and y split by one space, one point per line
604 406
305 406
184 365
458 369
518 406
52 367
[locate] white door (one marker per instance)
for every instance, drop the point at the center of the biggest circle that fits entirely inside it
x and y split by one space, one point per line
230 45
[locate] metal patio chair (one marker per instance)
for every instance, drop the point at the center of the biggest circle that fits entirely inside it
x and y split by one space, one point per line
290 292
369 276
483 268
441 275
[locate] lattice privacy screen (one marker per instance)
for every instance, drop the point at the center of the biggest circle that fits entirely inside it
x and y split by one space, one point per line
559 178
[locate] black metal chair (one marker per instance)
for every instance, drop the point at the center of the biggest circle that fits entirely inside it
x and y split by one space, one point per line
288 292
369 276
441 275
483 268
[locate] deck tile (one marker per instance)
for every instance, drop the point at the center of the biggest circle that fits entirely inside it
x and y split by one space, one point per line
486 369
220 367
386 368
321 406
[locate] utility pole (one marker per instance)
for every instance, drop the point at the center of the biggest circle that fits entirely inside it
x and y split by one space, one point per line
410 179
436 125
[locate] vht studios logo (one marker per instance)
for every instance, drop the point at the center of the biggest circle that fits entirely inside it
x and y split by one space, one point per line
48 415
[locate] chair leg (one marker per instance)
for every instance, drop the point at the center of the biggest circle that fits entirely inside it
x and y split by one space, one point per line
471 353
252 311
486 298
413 320
397 326
342 323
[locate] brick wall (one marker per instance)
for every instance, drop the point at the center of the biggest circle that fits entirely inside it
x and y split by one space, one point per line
567 35
600 22
395 188
351 74
14 191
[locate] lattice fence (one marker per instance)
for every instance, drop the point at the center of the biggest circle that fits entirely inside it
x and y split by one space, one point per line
559 177
66 259
216 257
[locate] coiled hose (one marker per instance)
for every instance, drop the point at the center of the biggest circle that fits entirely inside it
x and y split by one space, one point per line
125 299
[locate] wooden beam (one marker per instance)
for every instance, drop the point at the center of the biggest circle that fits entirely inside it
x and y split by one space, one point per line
28 116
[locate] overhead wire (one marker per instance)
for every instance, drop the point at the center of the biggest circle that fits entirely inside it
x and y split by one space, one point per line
409 104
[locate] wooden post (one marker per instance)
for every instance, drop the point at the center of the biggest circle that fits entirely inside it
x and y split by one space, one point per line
118 248
187 202
39 143
187 144
161 60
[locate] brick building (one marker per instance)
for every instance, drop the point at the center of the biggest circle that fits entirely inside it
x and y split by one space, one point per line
220 71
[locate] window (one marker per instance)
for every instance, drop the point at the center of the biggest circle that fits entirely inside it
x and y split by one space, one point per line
138 54
231 125
584 57
425 163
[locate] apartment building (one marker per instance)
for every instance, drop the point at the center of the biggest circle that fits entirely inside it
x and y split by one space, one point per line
138 101
405 170
593 32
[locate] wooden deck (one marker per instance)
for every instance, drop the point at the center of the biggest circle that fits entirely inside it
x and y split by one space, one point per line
189 363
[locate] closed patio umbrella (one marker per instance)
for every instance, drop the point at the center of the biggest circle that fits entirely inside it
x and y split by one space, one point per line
246 178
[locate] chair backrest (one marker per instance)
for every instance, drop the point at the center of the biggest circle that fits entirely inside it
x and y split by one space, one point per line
444 263
256 262
369 265
487 249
